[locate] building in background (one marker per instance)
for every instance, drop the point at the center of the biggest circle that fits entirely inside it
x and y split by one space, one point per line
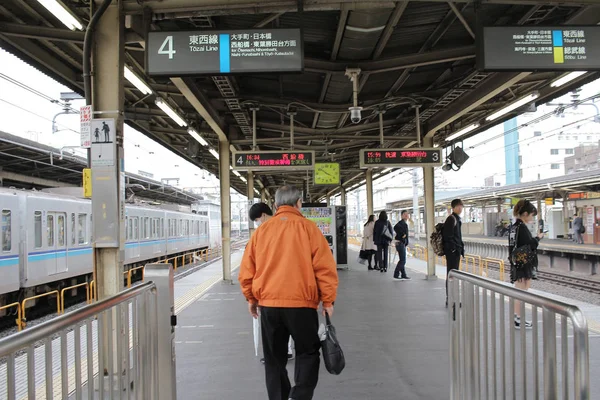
586 157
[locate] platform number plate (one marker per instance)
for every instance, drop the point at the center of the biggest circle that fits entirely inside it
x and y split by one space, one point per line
167 48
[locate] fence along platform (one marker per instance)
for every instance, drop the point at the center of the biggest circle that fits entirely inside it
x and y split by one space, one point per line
490 359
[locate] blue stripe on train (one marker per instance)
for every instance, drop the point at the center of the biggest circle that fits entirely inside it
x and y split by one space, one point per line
7 261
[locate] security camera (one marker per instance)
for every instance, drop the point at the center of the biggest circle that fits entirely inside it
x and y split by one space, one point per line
355 114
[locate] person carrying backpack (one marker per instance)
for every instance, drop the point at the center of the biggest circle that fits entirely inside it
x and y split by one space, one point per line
454 246
382 236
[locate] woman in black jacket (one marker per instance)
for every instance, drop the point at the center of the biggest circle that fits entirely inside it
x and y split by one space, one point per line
382 241
519 236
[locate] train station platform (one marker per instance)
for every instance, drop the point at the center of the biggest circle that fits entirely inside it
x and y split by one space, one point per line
394 335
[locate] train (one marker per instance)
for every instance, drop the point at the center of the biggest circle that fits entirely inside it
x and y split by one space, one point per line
46 240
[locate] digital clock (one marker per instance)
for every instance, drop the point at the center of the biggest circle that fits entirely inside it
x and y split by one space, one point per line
398 158
327 174
273 160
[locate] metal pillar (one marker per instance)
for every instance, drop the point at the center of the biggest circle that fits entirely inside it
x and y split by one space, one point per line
250 202
263 196
343 195
416 211
108 177
224 181
328 201
370 192
429 189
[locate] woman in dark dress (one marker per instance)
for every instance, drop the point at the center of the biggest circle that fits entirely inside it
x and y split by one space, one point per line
382 241
519 236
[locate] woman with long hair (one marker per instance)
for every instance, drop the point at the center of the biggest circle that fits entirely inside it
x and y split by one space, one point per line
519 236
382 237
367 245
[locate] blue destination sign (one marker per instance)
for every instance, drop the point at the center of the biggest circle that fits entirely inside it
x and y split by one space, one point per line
224 52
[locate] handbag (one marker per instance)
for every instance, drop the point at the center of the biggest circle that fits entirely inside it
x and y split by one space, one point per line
333 356
387 233
523 256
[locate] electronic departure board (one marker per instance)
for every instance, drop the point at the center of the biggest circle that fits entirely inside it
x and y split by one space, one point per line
224 52
273 160
533 48
395 158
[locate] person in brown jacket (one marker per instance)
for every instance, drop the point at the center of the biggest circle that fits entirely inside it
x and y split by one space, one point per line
288 270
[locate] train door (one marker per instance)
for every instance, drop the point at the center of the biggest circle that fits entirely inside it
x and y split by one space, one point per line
597 227
56 237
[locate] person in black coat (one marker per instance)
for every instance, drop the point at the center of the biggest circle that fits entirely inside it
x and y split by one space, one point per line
401 229
454 246
519 236
382 240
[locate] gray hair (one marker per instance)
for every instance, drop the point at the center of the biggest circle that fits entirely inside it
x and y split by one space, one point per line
287 196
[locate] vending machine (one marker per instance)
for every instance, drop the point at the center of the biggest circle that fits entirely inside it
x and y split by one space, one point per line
332 223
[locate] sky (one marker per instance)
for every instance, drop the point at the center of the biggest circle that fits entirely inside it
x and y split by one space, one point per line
29 114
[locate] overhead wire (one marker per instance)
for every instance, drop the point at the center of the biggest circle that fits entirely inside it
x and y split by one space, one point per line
37 115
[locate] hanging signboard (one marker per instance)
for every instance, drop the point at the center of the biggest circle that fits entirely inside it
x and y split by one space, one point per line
533 48
224 52
104 150
85 123
273 160
397 158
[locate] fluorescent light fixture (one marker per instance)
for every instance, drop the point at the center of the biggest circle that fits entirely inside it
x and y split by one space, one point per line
62 13
136 81
519 103
567 78
237 174
243 179
197 136
170 112
386 170
257 192
214 153
462 132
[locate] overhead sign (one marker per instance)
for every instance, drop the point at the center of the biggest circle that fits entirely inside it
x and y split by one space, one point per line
273 160
104 150
85 126
519 48
396 158
224 52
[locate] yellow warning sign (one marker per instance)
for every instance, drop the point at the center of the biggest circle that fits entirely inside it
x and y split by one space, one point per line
87 183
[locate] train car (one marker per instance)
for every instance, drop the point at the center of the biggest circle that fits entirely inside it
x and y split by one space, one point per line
145 237
9 245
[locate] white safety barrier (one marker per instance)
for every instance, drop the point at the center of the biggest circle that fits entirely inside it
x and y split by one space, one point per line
117 336
491 359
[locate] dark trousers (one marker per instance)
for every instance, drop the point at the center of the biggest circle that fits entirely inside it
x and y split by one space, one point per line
370 259
277 324
382 256
400 267
452 262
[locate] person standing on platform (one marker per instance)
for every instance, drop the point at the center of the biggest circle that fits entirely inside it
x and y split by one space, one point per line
382 236
578 229
260 213
401 229
454 246
288 270
519 236
368 245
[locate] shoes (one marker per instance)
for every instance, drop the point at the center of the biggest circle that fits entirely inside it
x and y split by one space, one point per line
404 278
262 360
290 356
528 324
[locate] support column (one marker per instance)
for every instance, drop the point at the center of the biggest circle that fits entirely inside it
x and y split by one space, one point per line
370 192
328 201
263 196
343 195
250 201
224 182
540 214
108 191
429 189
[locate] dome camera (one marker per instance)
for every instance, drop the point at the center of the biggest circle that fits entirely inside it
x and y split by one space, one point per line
355 114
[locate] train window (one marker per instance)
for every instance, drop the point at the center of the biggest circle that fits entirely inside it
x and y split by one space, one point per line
162 227
144 224
180 227
73 229
6 230
136 228
37 222
50 229
62 237
187 228
82 228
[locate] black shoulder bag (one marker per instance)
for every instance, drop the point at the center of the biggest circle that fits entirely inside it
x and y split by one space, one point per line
522 256
333 356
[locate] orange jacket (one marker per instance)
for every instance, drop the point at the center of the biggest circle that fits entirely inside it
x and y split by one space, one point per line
287 263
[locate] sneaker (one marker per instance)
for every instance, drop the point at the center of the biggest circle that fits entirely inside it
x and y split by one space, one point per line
397 278
528 324
406 278
290 356
262 360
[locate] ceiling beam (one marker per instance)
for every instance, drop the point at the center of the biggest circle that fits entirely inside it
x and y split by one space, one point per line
461 18
389 28
277 141
200 104
324 132
41 32
392 64
32 180
268 20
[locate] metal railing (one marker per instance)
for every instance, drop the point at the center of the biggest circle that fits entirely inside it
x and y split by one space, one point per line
489 361
110 345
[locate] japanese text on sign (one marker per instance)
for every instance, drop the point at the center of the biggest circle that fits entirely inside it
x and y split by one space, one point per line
273 160
400 157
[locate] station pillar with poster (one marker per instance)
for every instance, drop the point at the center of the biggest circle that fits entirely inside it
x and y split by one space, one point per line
332 222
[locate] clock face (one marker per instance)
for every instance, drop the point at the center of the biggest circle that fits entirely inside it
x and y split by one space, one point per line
327 174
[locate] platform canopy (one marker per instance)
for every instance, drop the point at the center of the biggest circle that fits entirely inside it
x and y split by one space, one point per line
410 53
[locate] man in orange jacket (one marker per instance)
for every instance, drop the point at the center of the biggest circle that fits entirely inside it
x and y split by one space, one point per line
288 270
